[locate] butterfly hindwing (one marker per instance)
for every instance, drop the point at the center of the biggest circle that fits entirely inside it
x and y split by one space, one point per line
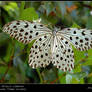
40 53
63 58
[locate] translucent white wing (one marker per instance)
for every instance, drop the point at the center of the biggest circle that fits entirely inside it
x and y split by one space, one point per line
40 53
25 31
80 38
63 58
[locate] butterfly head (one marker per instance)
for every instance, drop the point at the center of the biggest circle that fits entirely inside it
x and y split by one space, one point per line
55 30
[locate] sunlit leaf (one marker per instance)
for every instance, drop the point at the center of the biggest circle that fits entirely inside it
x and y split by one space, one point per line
89 58
77 68
75 26
29 14
78 55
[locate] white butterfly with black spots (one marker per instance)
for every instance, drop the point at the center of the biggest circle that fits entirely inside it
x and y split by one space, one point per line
50 46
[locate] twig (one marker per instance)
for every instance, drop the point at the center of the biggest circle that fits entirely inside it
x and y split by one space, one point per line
9 65
58 78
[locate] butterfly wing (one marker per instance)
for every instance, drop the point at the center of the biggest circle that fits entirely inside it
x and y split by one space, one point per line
40 53
63 57
25 31
80 38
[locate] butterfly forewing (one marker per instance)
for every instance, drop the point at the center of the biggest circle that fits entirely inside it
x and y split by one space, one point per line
80 38
25 31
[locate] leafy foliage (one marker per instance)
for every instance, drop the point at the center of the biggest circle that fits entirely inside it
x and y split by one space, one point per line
14 66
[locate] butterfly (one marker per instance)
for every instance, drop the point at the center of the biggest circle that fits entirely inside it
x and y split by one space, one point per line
50 46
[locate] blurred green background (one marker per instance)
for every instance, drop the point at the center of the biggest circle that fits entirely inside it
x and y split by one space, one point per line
14 66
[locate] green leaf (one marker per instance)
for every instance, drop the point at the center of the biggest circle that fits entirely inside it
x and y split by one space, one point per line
12 9
3 38
89 23
21 45
89 59
78 55
13 4
62 78
49 76
75 25
77 68
8 8
28 14
53 19
2 69
9 52
76 81
68 79
2 73
79 75
81 81
75 78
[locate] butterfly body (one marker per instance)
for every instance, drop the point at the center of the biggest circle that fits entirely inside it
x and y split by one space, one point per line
50 46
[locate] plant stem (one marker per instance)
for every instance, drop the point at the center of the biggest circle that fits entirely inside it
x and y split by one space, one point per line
41 81
9 66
